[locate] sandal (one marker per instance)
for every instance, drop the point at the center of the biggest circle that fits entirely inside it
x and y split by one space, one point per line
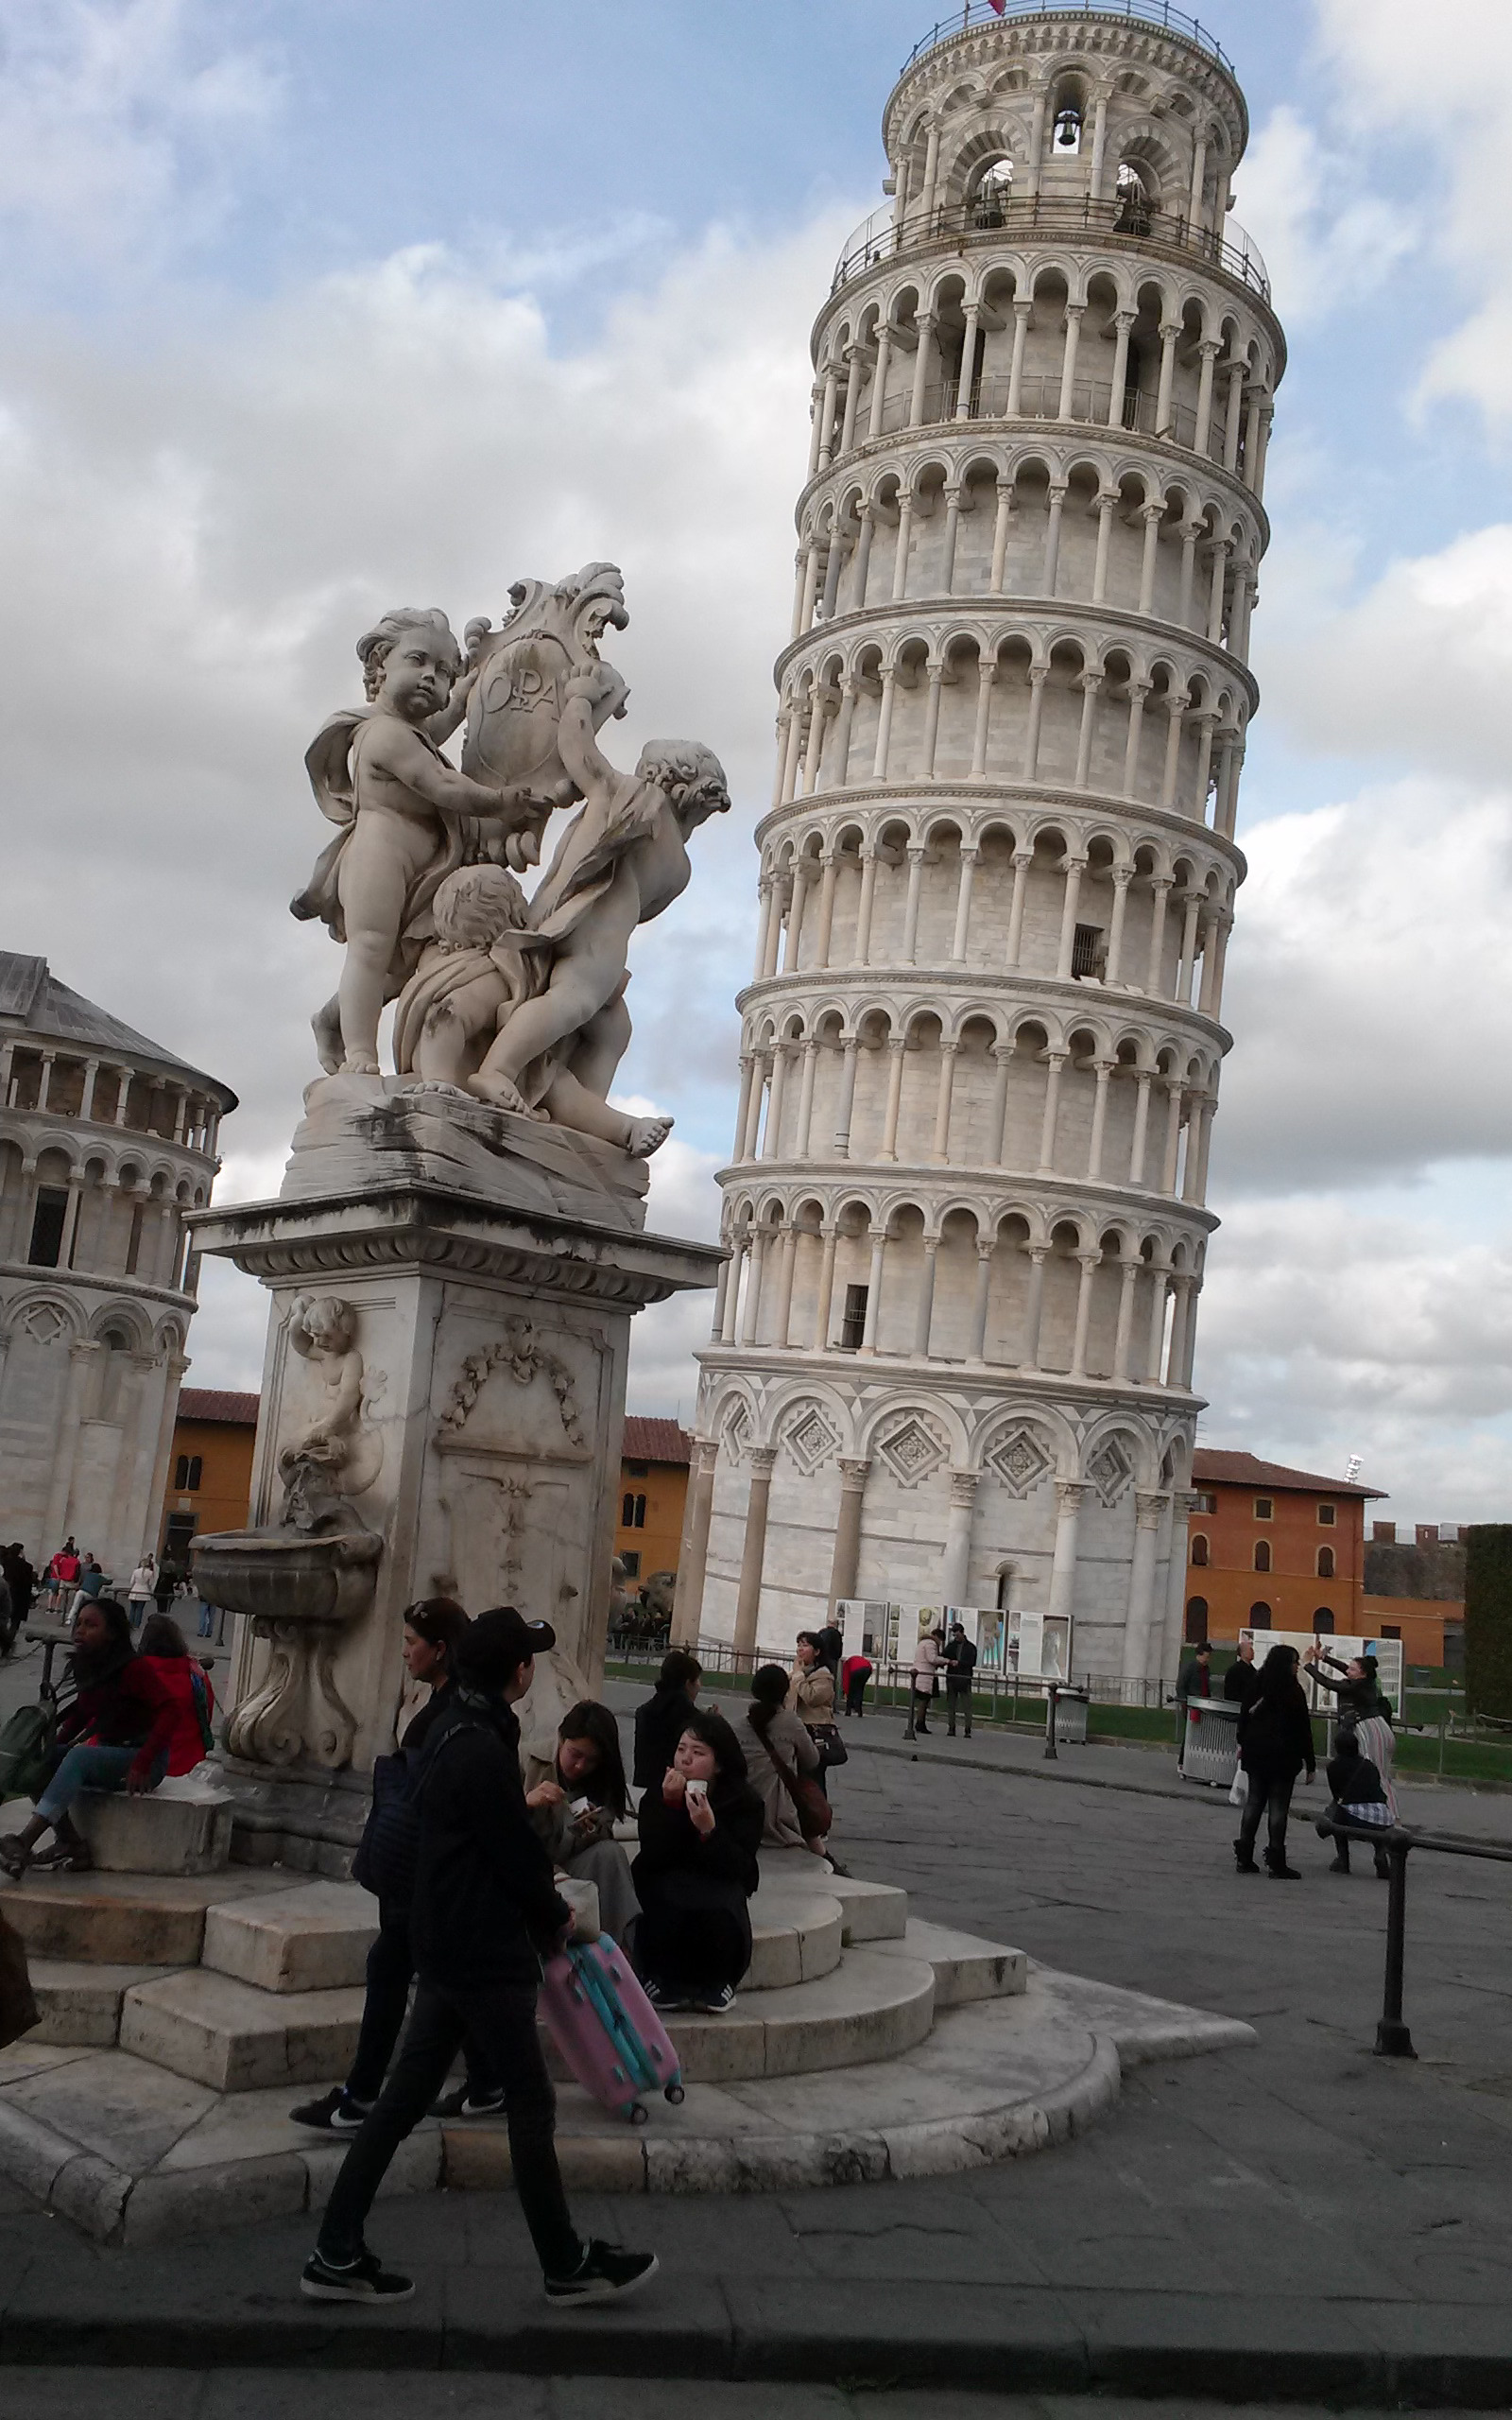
64 1857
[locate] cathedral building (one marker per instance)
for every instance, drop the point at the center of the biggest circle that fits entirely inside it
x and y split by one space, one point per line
966 1203
106 1139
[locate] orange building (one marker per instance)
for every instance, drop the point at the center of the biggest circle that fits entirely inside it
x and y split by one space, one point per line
655 1455
1273 1548
210 1468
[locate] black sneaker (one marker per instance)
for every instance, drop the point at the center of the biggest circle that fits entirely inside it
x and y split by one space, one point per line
665 2001
462 2101
606 2273
337 2114
362 2280
716 2003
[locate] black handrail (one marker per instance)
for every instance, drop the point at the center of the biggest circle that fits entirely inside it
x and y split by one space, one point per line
1392 2039
1058 215
1146 12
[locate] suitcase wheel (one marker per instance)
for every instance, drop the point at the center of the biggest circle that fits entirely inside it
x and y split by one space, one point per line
638 2112
675 2093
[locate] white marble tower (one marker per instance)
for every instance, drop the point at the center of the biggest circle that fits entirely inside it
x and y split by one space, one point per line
952 1353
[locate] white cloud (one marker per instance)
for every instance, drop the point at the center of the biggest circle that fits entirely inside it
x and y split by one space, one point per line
1325 239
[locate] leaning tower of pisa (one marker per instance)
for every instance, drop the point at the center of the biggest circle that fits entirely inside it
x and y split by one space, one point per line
965 1207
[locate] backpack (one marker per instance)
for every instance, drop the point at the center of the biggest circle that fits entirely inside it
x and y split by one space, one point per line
26 1740
388 1851
200 1691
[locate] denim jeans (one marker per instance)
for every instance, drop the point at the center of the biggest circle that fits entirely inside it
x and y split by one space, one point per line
83 1768
500 2019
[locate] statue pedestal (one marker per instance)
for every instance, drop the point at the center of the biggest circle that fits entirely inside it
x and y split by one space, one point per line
493 1332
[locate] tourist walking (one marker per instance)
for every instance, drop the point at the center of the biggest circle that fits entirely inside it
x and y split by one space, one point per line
63 1577
701 1831
1358 1796
659 1723
922 1682
811 1697
434 1630
485 1914
1275 1743
142 1589
855 1675
781 1758
960 1666
20 1579
575 1812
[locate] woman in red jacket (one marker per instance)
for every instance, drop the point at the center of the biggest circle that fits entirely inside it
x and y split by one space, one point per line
121 1727
187 1683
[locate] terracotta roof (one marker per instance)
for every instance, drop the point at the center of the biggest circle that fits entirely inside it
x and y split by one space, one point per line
31 995
1247 1470
656 1441
218 1403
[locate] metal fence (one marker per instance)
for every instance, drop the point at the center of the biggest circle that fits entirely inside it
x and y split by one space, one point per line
1141 13
883 237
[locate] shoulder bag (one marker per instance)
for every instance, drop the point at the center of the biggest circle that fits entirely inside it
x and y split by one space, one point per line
813 1810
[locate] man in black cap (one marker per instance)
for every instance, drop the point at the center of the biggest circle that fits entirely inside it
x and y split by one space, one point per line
485 1910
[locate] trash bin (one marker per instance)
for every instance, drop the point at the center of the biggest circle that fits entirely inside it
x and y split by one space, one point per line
1208 1750
1070 1718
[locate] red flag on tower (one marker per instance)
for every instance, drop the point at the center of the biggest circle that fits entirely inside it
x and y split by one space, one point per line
998 6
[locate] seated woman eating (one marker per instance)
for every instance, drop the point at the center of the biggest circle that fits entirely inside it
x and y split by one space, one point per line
697 1870
124 1726
576 1811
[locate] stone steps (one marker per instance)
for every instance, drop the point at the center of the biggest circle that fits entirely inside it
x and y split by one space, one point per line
235 2037
312 1936
126 1919
81 2002
965 1968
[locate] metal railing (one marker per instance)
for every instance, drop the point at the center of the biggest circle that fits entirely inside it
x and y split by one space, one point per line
881 237
1000 1696
1392 2037
1142 13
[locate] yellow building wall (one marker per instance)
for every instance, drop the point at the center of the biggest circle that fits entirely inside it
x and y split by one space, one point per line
665 1486
223 1498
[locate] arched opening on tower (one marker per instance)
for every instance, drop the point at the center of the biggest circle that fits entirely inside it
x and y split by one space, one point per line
991 194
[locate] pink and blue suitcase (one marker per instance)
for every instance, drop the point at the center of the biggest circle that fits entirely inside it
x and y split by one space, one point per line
607 2029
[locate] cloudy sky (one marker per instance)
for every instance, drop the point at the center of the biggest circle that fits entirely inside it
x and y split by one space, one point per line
309 309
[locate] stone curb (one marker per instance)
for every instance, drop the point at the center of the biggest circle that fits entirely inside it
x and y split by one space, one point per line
794 2163
110 2205
1350 2353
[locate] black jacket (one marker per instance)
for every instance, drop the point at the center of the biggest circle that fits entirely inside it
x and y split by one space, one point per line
1354 1781
960 1662
485 1903
1196 1680
659 1725
1275 1731
671 1844
1241 1683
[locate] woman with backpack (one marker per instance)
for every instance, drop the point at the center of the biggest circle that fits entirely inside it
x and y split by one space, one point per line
434 1629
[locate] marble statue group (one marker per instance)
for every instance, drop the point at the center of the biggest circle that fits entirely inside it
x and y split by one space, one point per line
516 1001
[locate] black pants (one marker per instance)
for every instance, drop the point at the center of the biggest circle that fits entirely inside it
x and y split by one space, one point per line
1270 1794
958 1696
390 1972
855 1693
501 2018
690 1941
1342 1848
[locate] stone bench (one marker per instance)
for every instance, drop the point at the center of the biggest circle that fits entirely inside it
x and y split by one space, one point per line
155 1833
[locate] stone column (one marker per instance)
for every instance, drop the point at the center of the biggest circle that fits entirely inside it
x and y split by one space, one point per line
916 876
772 1139
895 1048
123 1094
1122 876
952 531
925 1308
1038 677
1068 360
1071 897
1149 1511
848 1046
1090 684
962 906
1210 349
1104 1069
847 1558
1023 860
826 1293
1174 708
1161 1272
878 761
1055 1061
1173 1133
1106 502
783 1317
794 915
899 560
834 775
1021 336
749 1601
1088 1263
868 893
868 1333
1193 906
828 878
692 1554
957 1567
942 1106
925 322
805 1098
1170 330
1003 1052
1138 692
1152 515
1069 1495
82 1358
1128 1279
965 381
852 397
936 676
879 379
977 1349
1033 1309
1160 886
986 673
1052 562
1142 1120
1000 537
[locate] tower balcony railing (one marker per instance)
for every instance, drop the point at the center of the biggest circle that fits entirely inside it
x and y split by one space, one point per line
881 237
1141 13
1091 406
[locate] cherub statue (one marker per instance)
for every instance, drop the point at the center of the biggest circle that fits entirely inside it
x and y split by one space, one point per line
483 964
335 1447
622 861
408 817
